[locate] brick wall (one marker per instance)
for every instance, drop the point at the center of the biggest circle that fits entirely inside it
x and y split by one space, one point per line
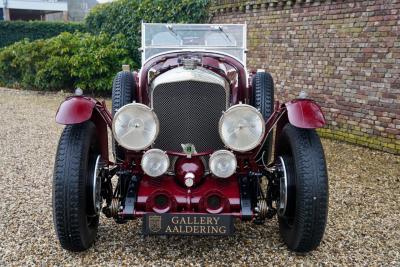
344 54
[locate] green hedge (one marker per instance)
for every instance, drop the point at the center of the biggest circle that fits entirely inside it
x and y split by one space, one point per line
14 31
77 59
125 17
64 62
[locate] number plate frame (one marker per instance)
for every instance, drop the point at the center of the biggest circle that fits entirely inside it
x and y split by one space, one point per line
187 224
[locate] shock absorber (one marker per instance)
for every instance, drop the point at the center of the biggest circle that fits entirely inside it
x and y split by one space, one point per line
114 207
112 210
263 208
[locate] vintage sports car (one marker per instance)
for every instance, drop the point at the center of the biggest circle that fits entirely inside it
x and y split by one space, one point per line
198 141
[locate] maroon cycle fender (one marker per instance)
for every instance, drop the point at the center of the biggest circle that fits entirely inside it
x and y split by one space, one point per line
305 113
78 109
75 110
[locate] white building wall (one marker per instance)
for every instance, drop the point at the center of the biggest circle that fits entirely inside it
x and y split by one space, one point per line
50 5
72 10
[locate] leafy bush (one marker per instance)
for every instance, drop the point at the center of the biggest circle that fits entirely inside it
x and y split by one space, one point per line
66 61
81 59
125 16
14 31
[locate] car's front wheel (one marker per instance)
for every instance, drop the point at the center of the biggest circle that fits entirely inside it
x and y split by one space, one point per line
303 201
77 187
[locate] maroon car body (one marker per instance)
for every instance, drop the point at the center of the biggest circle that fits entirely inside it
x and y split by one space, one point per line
236 196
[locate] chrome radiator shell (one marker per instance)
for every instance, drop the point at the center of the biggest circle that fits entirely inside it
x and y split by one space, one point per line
189 104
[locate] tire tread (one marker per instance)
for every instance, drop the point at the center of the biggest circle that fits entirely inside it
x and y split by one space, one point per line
69 186
123 92
311 181
263 99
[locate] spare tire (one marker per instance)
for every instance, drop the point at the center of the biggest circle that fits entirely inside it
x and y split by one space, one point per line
123 93
263 100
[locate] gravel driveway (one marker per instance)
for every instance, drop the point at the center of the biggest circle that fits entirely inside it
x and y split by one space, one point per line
363 226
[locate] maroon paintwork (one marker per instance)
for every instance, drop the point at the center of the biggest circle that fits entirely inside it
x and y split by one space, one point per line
75 110
305 114
188 200
210 60
168 193
186 165
78 109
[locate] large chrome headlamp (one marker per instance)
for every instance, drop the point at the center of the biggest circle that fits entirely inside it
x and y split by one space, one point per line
135 126
242 127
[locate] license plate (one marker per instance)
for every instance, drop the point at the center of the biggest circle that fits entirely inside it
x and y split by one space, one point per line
187 224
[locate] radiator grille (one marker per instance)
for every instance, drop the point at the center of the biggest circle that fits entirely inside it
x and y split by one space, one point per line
189 112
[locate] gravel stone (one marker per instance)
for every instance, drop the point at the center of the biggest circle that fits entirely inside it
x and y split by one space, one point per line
363 226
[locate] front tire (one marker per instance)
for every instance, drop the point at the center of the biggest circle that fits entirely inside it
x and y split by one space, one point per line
75 222
302 225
